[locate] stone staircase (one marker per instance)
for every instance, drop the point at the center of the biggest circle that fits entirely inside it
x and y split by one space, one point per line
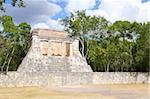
58 64
48 64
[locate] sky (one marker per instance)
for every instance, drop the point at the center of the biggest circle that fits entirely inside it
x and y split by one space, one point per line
48 13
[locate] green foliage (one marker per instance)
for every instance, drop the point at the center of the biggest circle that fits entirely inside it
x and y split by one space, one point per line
19 3
142 48
121 46
8 24
84 27
14 43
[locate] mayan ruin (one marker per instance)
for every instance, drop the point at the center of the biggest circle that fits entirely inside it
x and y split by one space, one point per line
74 49
53 51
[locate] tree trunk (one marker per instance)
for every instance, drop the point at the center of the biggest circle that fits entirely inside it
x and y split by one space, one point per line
130 57
122 67
87 50
82 45
107 70
10 60
2 68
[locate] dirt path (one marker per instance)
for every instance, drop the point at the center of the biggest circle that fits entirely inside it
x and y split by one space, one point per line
78 92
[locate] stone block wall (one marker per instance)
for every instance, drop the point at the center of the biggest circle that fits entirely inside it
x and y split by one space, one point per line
16 79
45 33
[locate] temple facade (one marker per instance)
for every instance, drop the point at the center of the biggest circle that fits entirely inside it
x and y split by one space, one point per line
53 51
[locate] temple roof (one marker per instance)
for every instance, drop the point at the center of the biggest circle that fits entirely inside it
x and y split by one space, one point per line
46 33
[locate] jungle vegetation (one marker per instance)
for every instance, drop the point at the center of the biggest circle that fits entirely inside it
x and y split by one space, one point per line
14 39
121 46
111 47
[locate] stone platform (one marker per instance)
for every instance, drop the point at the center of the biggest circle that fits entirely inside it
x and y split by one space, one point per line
53 51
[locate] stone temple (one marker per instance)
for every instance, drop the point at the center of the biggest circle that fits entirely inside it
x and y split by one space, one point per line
53 51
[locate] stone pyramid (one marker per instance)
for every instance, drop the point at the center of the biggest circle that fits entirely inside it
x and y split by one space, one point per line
53 51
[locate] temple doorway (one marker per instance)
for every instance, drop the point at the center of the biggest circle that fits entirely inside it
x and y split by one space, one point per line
56 49
67 49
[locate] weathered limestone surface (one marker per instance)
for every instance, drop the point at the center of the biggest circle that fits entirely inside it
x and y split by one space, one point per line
45 44
46 79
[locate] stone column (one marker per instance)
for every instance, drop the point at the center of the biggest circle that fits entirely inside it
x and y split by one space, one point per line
62 49
35 47
71 49
44 47
76 45
50 48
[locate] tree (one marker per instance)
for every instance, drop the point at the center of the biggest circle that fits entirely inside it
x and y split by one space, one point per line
19 36
24 35
4 52
15 39
111 54
84 27
77 25
123 28
20 3
142 48
121 46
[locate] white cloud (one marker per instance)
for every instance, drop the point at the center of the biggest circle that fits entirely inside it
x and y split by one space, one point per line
40 25
74 5
38 13
132 10
50 24
58 0
35 12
